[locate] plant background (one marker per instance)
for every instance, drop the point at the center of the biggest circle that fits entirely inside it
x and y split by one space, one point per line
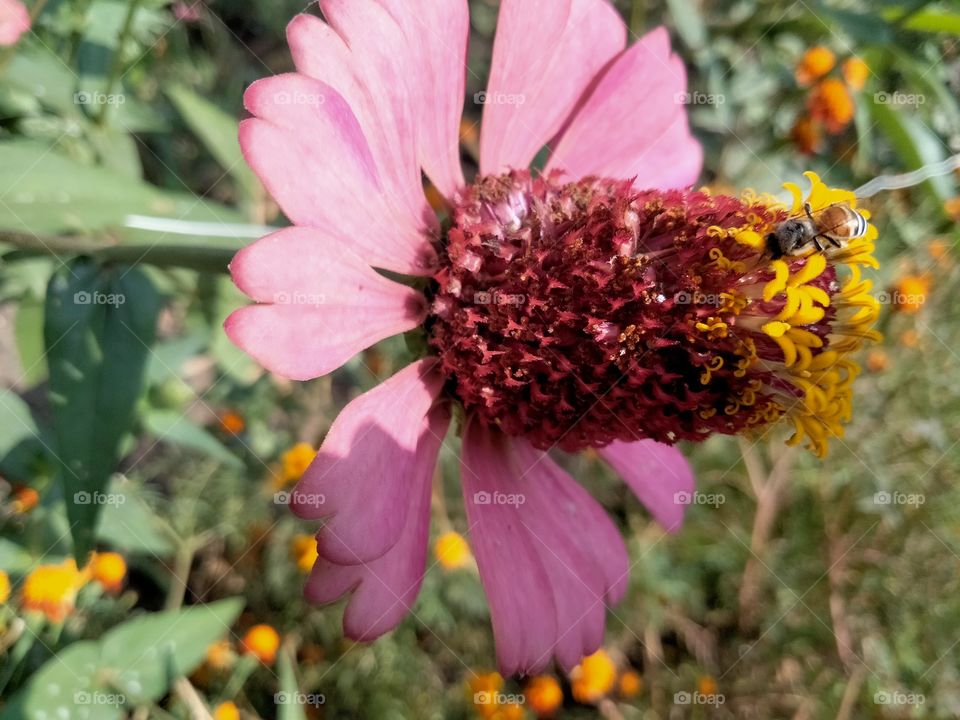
803 594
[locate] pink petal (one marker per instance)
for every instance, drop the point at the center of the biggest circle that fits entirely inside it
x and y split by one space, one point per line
385 589
658 475
438 71
367 467
634 122
14 21
545 55
327 304
517 585
311 154
363 54
554 536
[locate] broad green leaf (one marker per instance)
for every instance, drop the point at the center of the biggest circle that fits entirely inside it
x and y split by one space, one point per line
146 654
217 130
98 331
915 144
135 662
173 427
43 192
130 523
934 21
69 685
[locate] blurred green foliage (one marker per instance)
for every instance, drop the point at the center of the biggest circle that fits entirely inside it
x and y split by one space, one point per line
813 590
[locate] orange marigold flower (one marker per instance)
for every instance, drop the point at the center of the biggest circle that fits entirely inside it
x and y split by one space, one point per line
544 695
630 684
593 678
296 460
509 711
484 691
831 104
452 551
952 206
24 499
806 136
910 293
263 642
706 685
877 361
232 422
939 249
303 550
226 711
52 589
220 655
815 63
109 569
4 587
855 73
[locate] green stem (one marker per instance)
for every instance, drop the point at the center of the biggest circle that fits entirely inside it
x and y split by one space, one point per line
190 257
117 64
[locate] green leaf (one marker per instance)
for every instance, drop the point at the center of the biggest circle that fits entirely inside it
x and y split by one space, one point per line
135 662
19 436
289 691
29 334
98 331
48 193
173 427
131 524
64 687
218 131
916 145
934 21
145 655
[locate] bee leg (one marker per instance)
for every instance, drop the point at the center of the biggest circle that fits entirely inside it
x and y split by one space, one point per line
816 241
833 241
808 208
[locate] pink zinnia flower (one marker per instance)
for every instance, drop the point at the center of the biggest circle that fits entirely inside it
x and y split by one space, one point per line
14 21
587 307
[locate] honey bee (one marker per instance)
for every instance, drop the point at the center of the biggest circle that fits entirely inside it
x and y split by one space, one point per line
832 226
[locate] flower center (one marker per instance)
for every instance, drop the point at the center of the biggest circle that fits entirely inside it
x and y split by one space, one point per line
578 314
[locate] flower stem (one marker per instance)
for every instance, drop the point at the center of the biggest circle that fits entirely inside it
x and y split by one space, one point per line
190 257
117 64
